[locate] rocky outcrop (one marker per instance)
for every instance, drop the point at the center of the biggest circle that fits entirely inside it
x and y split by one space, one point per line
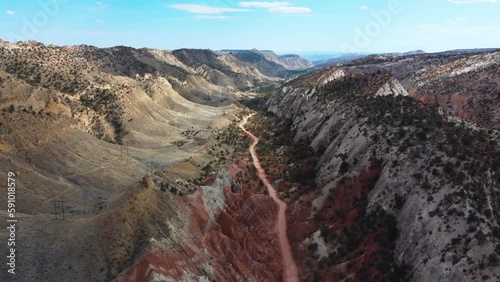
226 236
393 87
447 79
466 88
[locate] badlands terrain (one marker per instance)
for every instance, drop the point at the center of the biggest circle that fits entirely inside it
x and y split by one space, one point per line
388 165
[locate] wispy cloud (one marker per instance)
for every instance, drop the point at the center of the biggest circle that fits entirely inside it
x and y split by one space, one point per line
462 19
99 21
205 9
277 7
102 5
364 7
9 12
472 1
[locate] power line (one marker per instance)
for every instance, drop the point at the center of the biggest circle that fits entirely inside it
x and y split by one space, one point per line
58 206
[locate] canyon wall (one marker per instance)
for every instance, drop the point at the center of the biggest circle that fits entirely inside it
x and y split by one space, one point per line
402 159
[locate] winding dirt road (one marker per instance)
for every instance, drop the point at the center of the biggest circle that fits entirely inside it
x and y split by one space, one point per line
290 272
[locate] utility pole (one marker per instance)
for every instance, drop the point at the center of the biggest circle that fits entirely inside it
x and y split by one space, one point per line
62 206
55 207
126 155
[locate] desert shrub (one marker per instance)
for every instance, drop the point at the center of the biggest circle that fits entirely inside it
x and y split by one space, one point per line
493 259
344 167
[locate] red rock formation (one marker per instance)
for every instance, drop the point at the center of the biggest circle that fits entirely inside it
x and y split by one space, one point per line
240 244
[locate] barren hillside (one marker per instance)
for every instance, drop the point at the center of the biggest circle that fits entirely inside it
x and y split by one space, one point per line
81 126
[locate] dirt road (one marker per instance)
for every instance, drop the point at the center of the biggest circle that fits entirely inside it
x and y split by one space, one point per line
290 272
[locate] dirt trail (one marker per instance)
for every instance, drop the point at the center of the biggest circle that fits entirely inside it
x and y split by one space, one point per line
290 272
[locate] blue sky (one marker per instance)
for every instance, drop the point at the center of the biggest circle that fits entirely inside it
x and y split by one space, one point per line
283 26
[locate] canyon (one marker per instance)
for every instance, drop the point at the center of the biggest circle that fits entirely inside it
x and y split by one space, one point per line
242 165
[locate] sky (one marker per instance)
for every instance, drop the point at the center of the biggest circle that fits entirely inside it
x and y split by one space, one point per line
293 26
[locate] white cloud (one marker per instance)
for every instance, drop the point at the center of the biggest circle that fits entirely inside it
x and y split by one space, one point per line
462 19
364 7
472 1
99 21
277 7
204 9
9 12
102 5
